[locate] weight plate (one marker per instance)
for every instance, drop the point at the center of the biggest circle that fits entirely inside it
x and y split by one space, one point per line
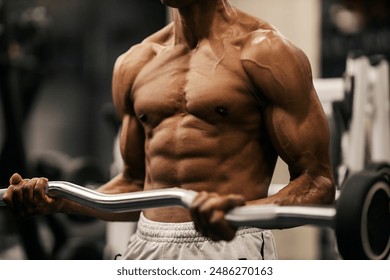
362 223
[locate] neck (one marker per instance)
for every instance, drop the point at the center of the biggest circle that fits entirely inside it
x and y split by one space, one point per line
200 20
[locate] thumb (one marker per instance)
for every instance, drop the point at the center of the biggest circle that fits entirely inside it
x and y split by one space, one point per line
15 179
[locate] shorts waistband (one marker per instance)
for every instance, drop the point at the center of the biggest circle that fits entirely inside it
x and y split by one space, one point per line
177 232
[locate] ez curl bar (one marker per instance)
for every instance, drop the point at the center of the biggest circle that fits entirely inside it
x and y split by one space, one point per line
360 218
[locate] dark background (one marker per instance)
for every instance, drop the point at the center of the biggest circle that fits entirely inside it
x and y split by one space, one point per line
56 114
57 59
371 34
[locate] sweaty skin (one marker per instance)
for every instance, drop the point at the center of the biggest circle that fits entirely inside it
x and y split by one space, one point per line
208 103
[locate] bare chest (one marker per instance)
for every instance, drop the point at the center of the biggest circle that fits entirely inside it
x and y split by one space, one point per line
199 83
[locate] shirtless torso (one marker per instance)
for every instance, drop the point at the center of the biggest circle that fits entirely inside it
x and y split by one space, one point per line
202 112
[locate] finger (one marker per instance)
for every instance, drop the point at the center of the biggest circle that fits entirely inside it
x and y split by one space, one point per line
199 199
22 195
194 210
27 204
224 203
211 221
40 190
211 216
230 202
15 179
8 197
17 199
220 228
28 191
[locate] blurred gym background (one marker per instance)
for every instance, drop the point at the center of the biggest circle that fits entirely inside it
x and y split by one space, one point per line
57 119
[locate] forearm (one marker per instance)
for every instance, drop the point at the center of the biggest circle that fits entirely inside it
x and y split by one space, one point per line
304 190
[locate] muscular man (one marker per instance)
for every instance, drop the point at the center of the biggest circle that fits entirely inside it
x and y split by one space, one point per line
207 104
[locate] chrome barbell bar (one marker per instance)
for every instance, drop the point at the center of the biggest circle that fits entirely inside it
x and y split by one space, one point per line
264 216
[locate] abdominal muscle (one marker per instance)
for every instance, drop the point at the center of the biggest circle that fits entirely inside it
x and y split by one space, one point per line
203 159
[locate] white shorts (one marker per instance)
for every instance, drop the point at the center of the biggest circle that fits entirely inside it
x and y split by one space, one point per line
180 241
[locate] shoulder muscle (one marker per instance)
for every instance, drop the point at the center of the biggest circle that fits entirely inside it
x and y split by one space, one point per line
126 68
277 67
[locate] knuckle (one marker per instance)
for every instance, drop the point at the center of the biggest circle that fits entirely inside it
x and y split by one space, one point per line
204 209
217 218
25 187
42 181
18 191
36 191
